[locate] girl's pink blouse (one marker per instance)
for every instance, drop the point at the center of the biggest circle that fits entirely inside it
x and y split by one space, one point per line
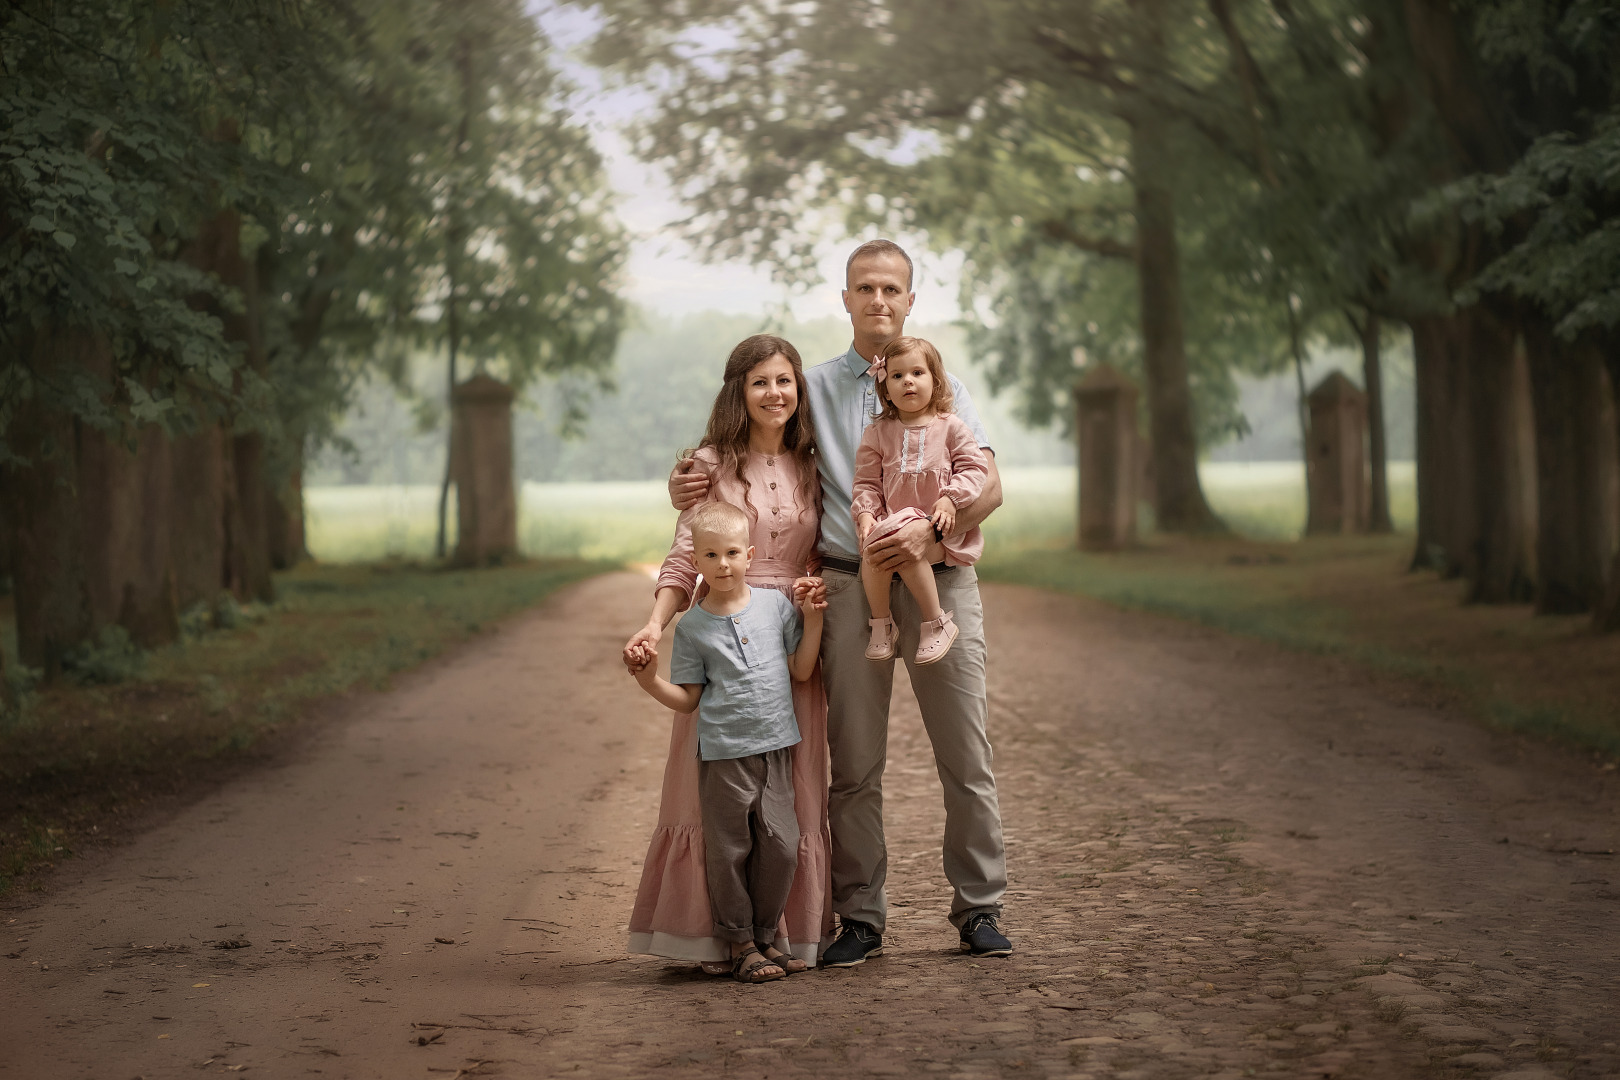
784 530
897 466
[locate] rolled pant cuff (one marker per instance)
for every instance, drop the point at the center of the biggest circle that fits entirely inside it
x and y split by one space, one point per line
764 935
733 934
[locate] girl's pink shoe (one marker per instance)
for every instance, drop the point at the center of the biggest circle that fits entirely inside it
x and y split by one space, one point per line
935 639
884 635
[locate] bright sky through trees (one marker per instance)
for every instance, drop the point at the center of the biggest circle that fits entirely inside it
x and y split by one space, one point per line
664 271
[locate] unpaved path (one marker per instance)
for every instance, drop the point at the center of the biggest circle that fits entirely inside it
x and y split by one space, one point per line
1226 860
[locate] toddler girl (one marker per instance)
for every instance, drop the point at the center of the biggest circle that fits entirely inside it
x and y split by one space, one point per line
917 462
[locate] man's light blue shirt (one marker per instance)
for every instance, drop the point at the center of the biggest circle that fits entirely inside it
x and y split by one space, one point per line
843 400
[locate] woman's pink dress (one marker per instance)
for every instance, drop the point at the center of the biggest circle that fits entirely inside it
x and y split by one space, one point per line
671 917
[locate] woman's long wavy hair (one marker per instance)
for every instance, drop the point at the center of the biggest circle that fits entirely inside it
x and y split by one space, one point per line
728 421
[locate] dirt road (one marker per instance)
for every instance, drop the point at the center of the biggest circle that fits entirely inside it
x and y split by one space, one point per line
1226 860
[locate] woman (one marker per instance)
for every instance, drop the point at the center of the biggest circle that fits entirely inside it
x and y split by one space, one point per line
759 454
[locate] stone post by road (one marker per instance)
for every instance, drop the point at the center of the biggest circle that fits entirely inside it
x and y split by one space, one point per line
1336 465
481 467
1105 426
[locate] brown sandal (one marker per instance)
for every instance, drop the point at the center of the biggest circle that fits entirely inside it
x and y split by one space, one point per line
745 972
791 965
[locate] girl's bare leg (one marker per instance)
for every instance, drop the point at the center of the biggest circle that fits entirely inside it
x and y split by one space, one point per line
876 584
919 578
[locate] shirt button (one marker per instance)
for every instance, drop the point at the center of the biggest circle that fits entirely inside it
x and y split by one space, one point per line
773 535
771 462
737 621
773 485
745 641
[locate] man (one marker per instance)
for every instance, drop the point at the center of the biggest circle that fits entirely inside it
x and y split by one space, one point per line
951 692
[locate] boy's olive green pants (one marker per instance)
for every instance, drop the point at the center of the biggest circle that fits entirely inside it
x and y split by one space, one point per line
951 693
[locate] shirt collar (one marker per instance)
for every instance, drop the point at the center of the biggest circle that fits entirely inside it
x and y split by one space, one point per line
855 363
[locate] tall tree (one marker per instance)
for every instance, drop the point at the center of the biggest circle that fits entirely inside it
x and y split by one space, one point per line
514 255
857 108
121 145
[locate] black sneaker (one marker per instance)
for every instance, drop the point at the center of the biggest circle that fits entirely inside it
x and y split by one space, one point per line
982 937
856 941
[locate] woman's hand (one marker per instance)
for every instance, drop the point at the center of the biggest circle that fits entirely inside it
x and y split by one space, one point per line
944 516
810 593
642 648
863 525
637 660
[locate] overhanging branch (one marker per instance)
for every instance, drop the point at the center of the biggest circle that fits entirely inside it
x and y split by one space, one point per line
1106 246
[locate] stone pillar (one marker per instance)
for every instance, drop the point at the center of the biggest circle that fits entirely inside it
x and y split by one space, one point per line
1105 426
481 467
1336 468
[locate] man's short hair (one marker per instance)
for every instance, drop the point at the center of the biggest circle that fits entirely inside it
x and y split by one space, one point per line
720 518
881 247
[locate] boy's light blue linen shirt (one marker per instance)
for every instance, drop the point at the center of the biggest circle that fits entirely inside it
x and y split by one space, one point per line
843 400
741 661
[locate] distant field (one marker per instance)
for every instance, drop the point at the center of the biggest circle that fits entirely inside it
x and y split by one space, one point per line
632 522
619 522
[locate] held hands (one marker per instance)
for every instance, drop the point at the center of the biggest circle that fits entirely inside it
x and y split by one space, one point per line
687 484
944 516
810 594
641 652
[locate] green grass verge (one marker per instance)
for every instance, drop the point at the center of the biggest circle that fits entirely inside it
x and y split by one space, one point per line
1350 598
78 763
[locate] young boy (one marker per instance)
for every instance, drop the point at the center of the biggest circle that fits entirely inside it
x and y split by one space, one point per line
734 660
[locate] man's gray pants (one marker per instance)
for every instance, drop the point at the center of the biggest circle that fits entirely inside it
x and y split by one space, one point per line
951 693
750 842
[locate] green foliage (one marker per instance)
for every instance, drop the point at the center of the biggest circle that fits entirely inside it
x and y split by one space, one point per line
122 133
373 151
450 192
1004 131
1552 209
111 658
1568 260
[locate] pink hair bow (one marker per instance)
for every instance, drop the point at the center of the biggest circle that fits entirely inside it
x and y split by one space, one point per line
879 369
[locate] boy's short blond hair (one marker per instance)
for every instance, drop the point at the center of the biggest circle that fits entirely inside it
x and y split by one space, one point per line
720 518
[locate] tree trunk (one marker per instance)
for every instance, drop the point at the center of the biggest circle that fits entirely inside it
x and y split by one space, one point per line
1471 492
218 247
1606 618
50 591
1441 466
441 544
197 476
285 513
1179 497
1369 328
248 525
1565 383
1497 560
126 501
1302 415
